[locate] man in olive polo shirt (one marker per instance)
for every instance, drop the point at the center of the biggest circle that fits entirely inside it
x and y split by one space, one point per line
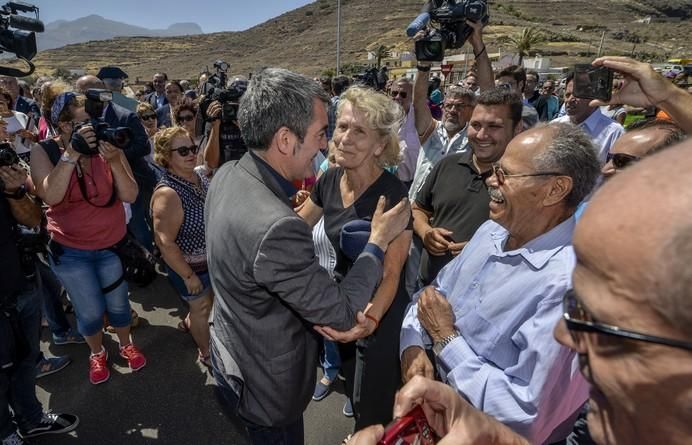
453 201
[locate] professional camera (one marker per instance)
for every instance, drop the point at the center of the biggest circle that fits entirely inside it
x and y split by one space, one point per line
29 243
451 15
21 41
215 90
7 155
95 102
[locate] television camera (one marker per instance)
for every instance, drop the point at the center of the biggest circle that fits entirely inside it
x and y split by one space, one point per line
215 89
22 40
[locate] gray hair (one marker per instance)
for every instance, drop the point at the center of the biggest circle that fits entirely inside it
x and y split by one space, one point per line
572 153
673 289
457 92
277 98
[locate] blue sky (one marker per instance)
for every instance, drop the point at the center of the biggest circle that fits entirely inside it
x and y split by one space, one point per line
211 15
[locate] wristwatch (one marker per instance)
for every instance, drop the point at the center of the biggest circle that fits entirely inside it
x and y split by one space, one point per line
17 194
439 345
66 158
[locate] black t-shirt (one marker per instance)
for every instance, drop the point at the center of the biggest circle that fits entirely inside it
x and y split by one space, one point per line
10 267
456 195
327 194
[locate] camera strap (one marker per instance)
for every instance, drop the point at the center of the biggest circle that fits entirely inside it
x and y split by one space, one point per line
82 188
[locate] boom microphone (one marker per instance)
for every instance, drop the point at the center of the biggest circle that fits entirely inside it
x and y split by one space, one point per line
26 23
417 24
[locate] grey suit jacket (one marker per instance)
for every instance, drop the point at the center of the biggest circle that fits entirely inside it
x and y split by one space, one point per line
270 291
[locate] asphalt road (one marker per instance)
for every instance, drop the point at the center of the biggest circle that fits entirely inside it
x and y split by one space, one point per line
170 401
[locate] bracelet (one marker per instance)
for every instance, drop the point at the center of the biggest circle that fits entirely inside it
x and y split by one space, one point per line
370 317
481 52
423 68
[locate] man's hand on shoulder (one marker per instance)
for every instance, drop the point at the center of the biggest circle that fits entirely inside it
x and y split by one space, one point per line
386 226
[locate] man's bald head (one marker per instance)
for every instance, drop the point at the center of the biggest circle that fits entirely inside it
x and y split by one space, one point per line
642 220
87 82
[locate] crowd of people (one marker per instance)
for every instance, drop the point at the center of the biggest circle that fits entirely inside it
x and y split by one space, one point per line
474 249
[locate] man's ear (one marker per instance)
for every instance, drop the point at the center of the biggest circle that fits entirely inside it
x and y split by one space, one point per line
560 187
285 140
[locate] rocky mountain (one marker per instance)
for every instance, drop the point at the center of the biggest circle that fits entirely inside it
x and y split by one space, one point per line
304 39
95 27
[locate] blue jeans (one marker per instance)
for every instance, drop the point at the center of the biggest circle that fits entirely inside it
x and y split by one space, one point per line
331 360
84 274
52 306
18 385
292 434
179 284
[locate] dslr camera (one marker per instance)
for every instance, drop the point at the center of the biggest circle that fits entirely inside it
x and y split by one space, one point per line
8 156
96 99
215 90
452 30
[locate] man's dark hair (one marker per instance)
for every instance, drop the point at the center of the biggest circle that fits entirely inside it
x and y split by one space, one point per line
569 78
517 73
675 133
165 76
340 84
502 96
535 74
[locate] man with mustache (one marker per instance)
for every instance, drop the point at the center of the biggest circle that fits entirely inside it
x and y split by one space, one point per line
453 202
490 312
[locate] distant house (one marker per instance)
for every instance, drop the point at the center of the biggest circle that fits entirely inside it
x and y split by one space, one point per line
76 72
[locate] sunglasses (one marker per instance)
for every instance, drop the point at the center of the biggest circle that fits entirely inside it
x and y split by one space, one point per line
450 107
186 118
184 151
147 117
579 320
621 160
401 94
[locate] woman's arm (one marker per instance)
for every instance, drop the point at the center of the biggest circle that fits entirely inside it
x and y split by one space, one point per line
310 212
51 181
123 179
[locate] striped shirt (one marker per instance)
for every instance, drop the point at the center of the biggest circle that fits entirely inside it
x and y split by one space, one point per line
506 361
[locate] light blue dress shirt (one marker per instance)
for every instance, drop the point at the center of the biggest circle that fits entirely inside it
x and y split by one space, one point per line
603 131
506 361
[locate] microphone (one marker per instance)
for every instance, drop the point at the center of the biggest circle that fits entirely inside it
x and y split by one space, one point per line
26 23
417 24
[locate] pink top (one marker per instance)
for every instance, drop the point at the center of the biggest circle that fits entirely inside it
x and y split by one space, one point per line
76 223
43 129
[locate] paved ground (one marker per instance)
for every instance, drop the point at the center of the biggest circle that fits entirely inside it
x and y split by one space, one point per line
170 401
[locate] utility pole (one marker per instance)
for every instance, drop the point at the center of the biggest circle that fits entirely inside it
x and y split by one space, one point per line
600 47
338 37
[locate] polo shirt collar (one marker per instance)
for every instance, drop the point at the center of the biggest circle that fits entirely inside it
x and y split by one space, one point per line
541 249
466 158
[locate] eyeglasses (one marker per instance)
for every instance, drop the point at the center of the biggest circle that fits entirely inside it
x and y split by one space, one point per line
578 319
148 116
186 118
450 107
505 86
501 175
184 151
621 160
401 94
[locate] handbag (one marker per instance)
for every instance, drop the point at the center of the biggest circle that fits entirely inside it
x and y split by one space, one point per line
139 265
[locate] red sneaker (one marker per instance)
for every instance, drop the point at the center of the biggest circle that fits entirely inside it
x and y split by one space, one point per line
134 357
98 368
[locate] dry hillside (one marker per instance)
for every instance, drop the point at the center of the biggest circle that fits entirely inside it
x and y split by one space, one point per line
304 39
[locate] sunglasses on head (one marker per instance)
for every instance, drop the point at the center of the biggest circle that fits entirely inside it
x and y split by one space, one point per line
621 160
148 116
184 151
186 118
401 94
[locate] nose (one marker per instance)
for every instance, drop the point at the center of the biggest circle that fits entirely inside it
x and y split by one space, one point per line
491 181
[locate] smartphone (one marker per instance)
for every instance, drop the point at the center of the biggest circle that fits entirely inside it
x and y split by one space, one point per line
411 429
593 82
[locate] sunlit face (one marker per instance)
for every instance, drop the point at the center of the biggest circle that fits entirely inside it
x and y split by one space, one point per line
548 88
186 119
507 82
182 163
490 130
457 112
471 83
173 94
148 119
10 84
315 139
79 115
635 143
531 83
356 143
402 93
577 109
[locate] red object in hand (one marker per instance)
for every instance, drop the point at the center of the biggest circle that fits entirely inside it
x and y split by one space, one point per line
411 429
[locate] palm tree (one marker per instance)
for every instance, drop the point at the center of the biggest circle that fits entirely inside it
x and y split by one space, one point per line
382 52
523 41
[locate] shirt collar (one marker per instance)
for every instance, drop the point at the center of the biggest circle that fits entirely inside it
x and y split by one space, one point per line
591 121
541 249
284 183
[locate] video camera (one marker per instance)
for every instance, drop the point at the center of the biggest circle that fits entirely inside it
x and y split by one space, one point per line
118 136
451 15
214 89
21 41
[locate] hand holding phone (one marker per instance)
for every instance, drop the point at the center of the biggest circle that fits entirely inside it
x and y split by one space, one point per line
411 429
593 82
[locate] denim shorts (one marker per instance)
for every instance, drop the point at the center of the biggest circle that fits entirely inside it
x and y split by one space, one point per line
179 285
84 273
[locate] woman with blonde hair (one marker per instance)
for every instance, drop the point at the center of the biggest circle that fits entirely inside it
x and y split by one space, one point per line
365 142
178 213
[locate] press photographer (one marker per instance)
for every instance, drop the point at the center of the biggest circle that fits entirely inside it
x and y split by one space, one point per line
219 110
84 179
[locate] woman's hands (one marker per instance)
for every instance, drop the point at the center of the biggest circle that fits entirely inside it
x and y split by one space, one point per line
193 284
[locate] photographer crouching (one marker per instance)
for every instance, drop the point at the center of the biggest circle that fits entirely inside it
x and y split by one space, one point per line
20 312
84 178
219 109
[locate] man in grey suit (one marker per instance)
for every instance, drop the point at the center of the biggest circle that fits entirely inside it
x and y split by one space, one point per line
270 291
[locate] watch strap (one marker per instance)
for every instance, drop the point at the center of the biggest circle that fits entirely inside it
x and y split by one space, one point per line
440 345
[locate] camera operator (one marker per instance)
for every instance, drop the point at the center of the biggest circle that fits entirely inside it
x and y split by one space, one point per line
20 317
223 139
85 181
